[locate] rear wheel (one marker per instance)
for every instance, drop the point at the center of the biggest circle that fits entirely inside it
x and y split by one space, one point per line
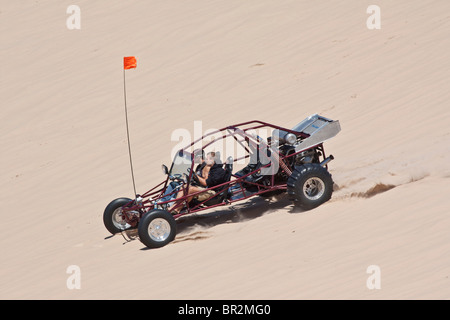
113 216
157 228
309 186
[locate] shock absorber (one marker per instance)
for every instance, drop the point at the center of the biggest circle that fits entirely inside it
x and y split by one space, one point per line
281 162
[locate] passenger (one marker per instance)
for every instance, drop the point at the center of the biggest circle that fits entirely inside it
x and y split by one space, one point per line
207 175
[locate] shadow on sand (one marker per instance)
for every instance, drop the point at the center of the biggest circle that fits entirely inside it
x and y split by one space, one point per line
238 212
193 227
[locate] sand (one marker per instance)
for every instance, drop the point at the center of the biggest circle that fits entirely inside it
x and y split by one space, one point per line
65 157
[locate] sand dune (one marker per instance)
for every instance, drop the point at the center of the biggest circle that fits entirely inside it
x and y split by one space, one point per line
64 151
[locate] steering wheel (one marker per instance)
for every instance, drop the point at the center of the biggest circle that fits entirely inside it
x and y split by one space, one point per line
177 177
195 178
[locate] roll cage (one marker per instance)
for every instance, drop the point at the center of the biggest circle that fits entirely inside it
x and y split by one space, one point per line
238 187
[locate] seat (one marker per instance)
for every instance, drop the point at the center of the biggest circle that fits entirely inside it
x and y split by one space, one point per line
228 167
228 173
217 158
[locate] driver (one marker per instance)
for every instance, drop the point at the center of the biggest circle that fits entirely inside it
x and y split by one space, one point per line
207 175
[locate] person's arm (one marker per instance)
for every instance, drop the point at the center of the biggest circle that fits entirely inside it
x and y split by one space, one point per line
202 181
198 177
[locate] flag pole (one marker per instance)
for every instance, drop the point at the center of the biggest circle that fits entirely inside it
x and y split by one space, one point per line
128 134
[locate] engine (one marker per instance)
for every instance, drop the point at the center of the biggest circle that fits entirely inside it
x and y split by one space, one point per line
307 156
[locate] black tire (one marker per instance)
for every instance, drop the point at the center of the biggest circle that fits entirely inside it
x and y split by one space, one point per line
309 186
112 213
157 228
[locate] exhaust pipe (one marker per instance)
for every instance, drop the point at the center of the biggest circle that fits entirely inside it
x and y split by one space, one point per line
325 162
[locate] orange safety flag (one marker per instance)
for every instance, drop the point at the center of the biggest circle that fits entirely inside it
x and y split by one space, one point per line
129 62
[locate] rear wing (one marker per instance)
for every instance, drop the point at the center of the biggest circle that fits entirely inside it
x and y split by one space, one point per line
318 129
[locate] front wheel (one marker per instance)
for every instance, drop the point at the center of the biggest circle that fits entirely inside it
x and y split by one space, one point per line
157 228
113 216
309 186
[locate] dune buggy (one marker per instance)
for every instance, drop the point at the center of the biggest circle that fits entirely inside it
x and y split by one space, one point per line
291 161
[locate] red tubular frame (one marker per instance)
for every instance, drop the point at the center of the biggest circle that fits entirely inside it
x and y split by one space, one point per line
158 190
